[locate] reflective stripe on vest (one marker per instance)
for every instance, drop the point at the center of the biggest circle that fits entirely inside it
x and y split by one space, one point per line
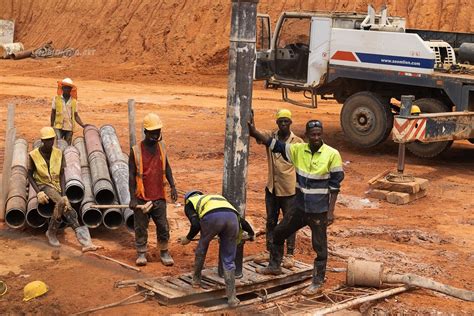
58 121
203 204
137 154
42 175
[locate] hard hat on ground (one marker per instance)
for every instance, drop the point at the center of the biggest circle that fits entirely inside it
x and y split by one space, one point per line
283 113
33 290
152 122
47 132
3 288
415 110
191 193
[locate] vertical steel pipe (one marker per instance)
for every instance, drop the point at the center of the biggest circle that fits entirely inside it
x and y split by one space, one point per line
72 174
33 217
101 181
15 215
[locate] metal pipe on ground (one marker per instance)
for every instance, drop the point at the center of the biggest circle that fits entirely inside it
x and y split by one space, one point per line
21 55
15 214
101 182
72 174
91 216
80 145
118 163
33 217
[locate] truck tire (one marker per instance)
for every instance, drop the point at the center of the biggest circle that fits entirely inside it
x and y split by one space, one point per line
365 119
429 150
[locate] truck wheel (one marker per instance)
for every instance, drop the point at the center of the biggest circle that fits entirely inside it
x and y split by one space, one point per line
365 119
429 150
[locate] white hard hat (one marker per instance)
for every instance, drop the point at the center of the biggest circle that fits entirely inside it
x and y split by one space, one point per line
67 81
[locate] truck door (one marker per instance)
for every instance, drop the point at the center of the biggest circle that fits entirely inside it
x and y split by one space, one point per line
319 50
264 62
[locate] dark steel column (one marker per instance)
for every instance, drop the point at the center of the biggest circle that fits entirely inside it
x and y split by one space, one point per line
239 104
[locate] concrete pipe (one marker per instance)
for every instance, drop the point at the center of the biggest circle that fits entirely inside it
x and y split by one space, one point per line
33 217
91 217
80 145
112 217
15 214
365 273
72 174
92 139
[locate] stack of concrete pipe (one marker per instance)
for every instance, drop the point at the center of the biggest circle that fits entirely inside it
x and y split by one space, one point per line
118 164
15 215
74 186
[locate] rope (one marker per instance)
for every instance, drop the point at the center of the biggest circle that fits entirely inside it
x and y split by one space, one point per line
119 303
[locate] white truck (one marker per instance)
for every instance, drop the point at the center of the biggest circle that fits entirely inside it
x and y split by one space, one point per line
365 62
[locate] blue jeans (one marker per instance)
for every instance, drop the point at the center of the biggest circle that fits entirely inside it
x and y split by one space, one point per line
226 226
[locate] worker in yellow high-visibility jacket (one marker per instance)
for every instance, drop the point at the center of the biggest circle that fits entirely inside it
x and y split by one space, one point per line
319 174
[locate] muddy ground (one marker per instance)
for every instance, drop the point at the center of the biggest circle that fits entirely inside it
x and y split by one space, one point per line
433 237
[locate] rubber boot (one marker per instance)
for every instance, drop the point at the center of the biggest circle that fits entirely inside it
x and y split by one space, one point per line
274 266
229 278
84 238
198 266
319 273
165 256
141 259
52 231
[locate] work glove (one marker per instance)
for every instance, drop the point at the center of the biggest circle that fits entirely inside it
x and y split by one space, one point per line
184 240
42 197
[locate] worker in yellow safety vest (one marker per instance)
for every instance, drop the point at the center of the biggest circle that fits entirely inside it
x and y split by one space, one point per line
319 174
64 113
46 175
213 215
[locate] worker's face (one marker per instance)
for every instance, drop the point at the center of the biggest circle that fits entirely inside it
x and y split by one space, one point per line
315 136
67 91
284 124
153 136
48 144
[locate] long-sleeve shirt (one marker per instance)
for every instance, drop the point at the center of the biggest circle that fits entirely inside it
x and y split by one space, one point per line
317 174
196 226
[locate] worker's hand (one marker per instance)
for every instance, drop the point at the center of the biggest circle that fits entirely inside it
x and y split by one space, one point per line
174 194
42 197
183 240
133 204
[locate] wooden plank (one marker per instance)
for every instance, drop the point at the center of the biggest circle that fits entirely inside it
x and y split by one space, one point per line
379 176
400 198
158 287
405 187
378 194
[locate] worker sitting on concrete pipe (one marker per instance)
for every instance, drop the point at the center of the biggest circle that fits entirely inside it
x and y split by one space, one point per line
280 188
319 174
46 175
148 167
213 215
64 113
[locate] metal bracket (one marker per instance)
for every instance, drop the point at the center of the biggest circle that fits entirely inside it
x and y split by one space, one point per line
313 105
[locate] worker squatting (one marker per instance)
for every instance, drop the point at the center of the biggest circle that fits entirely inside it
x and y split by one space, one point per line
304 179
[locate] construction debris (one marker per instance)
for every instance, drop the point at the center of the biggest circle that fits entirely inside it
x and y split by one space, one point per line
384 187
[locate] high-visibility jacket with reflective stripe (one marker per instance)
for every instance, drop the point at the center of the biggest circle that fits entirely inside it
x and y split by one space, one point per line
137 154
317 174
43 175
203 204
58 121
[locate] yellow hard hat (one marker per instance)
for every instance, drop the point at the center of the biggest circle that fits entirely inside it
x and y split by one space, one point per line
415 110
3 288
47 132
152 122
34 289
283 113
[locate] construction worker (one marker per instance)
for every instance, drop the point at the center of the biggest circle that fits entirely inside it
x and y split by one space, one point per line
46 175
319 174
213 215
280 189
148 167
64 110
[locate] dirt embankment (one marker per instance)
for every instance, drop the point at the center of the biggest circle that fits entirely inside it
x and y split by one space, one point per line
186 36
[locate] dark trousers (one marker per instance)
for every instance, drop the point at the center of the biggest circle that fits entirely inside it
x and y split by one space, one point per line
296 220
62 134
226 226
158 215
273 205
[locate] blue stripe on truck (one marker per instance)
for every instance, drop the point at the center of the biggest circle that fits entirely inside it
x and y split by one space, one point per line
396 60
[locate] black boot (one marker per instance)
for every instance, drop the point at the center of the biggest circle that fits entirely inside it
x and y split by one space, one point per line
319 273
229 277
198 266
274 266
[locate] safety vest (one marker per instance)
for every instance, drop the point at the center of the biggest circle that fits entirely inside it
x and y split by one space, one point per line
203 204
58 121
137 154
42 175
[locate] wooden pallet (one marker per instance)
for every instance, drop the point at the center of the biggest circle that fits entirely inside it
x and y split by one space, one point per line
178 290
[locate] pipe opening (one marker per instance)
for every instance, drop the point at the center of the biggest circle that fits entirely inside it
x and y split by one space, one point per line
112 219
105 196
75 194
15 218
130 222
46 210
92 217
34 219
